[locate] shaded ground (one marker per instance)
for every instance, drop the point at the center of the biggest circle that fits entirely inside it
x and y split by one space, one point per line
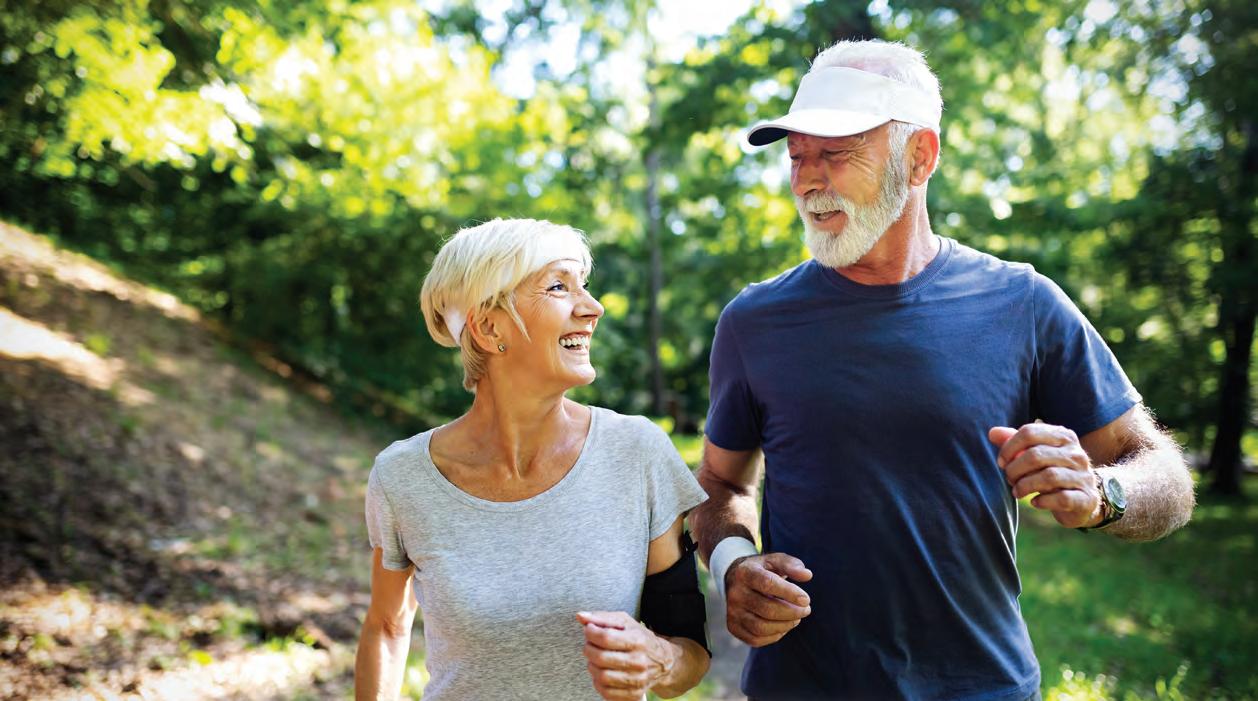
177 521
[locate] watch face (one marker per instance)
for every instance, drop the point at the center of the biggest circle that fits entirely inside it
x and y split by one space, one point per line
1114 492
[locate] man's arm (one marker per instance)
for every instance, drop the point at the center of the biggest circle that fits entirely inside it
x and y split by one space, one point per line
730 477
1148 463
761 605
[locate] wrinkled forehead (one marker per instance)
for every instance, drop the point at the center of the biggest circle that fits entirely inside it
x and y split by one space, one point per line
796 139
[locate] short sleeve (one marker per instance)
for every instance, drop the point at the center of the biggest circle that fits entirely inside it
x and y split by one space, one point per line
733 416
671 488
1078 382
382 526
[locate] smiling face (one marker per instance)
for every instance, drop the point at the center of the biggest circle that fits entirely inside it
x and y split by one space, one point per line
560 316
849 190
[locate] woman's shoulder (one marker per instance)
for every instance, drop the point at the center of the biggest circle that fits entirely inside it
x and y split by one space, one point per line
630 431
626 424
401 455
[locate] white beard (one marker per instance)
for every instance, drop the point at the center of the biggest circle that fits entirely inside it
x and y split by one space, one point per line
866 223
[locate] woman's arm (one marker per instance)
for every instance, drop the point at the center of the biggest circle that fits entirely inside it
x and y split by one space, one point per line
626 659
386 636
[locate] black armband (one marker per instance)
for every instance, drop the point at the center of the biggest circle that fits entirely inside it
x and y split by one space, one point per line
672 604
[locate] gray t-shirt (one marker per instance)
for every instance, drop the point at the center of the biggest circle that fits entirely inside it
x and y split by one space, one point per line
499 583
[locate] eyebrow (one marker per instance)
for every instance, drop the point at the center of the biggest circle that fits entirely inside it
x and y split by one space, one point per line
565 268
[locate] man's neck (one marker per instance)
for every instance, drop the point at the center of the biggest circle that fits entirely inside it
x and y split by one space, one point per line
905 250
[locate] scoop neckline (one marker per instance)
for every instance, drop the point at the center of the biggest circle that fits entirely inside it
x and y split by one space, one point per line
549 494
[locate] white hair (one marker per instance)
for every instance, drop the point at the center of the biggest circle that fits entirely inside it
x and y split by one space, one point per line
477 271
890 59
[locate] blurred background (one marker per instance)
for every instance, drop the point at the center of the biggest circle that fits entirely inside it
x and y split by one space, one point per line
217 216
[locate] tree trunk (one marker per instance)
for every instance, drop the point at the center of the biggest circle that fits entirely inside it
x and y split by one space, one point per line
656 273
1237 311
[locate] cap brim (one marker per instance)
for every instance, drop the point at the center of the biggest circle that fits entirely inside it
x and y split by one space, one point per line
814 122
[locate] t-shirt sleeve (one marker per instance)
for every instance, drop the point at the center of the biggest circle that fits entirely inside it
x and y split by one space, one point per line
1078 382
382 525
671 488
733 415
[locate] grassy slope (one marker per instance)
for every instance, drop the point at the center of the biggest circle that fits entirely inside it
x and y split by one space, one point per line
1173 619
178 521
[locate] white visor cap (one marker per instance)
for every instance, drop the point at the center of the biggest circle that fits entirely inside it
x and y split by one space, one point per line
843 101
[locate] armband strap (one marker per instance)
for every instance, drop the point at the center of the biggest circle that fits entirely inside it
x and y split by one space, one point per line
672 604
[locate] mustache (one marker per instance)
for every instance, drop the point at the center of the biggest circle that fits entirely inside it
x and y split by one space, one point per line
824 202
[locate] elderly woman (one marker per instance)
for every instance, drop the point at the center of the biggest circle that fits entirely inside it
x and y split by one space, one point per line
532 528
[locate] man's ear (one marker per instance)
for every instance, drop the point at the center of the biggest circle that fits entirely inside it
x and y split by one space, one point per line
486 332
923 148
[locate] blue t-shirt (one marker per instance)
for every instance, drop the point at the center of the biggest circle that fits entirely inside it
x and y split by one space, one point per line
872 405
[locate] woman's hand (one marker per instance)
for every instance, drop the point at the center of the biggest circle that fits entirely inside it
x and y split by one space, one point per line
624 657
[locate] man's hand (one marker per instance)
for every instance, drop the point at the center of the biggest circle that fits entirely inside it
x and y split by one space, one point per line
761 606
1049 459
624 657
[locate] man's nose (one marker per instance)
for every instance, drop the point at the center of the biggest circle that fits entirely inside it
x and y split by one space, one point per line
807 176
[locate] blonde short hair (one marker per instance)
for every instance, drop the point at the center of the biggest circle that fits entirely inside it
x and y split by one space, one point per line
477 271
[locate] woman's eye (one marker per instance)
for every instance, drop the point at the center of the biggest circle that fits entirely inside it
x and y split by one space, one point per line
558 286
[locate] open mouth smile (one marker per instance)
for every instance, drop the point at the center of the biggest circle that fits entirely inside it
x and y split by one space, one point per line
577 342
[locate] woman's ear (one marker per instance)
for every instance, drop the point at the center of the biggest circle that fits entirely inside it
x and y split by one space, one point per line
486 331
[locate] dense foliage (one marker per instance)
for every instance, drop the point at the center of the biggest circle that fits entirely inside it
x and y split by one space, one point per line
290 168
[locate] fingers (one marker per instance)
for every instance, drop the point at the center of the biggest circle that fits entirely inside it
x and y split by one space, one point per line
754 630
1072 508
1052 479
615 685
1043 456
999 434
618 655
761 606
769 608
612 638
1029 436
606 619
1049 460
788 566
765 574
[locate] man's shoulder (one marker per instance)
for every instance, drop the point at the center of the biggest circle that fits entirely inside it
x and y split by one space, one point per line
968 259
785 285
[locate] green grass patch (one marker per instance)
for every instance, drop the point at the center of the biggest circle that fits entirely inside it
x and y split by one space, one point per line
1164 620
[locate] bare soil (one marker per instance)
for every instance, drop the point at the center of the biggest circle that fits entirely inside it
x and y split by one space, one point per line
177 520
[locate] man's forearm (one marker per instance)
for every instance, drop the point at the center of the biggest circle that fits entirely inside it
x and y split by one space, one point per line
1158 486
729 511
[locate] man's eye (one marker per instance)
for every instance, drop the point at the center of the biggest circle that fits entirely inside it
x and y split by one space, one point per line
832 154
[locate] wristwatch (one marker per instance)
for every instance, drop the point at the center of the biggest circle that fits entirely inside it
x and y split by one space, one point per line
1113 500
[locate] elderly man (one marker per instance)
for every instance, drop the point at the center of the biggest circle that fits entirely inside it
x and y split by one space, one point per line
905 391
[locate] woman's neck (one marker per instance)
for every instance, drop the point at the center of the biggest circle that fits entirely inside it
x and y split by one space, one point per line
513 430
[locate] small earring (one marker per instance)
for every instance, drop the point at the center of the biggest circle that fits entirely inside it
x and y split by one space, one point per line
502 348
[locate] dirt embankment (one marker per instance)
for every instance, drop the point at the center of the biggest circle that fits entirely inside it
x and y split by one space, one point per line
177 521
